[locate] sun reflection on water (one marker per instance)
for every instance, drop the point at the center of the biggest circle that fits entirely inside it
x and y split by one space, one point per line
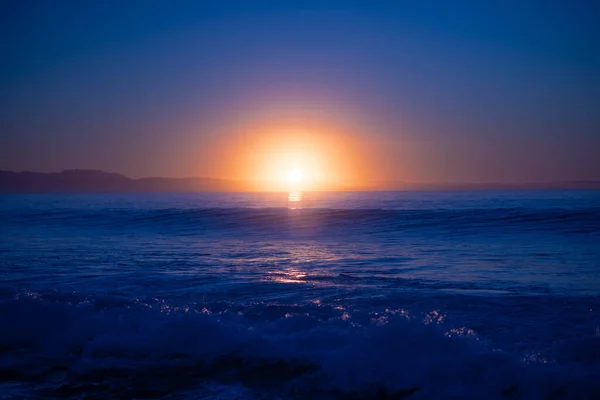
300 264
294 199
289 275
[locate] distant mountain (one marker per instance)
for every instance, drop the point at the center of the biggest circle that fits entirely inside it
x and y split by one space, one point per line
93 181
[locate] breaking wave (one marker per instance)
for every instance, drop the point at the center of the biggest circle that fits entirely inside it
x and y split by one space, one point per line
66 345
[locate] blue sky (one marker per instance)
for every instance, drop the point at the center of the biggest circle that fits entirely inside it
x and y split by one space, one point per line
441 91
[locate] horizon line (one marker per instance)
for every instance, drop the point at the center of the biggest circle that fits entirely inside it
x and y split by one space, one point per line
386 185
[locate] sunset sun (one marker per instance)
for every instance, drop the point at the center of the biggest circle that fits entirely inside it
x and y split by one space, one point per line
294 175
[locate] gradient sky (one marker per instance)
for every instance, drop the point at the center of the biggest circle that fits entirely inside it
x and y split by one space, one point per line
479 91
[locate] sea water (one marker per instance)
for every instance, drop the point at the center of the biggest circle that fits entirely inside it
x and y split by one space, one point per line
416 295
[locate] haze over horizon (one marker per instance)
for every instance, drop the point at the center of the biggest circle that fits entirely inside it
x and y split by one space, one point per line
353 92
96 181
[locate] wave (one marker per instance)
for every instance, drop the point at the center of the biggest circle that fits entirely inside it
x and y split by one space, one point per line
276 220
67 345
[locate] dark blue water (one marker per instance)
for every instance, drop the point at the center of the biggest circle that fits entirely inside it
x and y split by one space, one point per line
339 295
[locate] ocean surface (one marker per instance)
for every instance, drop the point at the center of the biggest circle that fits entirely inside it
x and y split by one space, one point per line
403 295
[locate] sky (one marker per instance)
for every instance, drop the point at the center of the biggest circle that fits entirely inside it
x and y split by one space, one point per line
358 91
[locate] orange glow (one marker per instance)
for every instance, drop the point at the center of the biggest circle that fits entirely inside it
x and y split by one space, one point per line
294 156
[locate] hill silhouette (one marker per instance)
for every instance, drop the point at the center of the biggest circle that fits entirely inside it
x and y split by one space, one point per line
95 181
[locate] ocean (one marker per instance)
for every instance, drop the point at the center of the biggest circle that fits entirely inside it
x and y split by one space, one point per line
391 295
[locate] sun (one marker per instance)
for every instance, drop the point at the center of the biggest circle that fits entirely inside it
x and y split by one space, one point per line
297 153
294 175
